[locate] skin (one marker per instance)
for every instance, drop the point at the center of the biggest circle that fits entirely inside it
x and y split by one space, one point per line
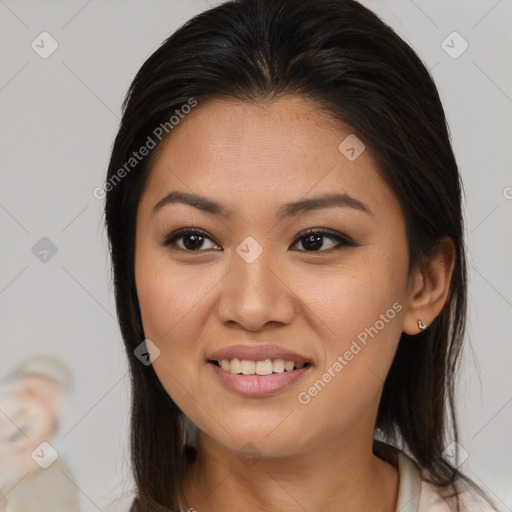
253 158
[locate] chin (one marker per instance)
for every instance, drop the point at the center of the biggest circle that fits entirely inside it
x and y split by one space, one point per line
259 441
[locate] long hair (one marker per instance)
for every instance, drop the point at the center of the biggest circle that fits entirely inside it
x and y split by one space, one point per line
356 69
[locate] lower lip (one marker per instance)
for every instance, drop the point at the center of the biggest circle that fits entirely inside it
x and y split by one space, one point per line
258 385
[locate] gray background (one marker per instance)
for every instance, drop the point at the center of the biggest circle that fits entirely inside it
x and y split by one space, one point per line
59 118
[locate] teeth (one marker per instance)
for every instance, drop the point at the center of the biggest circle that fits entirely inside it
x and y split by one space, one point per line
226 365
265 367
233 366
248 367
278 365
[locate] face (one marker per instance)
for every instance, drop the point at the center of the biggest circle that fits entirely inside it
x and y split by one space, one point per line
327 282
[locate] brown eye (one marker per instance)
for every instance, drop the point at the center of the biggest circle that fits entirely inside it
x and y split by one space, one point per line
313 240
193 240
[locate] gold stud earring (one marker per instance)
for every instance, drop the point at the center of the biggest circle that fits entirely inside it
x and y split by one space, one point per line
421 325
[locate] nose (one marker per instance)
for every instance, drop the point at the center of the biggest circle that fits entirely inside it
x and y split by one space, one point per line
255 295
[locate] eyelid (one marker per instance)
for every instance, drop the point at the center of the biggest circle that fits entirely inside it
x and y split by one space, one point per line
179 233
342 239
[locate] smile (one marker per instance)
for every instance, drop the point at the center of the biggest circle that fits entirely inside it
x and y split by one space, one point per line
258 378
263 367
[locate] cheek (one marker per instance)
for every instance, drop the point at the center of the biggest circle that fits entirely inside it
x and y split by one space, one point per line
167 301
175 303
352 298
167 295
361 310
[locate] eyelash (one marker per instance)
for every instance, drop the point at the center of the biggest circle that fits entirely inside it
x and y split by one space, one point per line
343 241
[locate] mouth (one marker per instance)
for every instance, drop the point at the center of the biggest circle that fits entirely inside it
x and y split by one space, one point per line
258 379
258 368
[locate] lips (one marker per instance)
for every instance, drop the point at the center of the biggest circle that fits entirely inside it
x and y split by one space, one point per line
258 352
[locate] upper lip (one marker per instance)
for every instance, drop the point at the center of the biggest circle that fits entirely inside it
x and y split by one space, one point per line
257 353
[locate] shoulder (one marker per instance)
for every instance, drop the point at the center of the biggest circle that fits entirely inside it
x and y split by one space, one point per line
433 501
416 494
426 497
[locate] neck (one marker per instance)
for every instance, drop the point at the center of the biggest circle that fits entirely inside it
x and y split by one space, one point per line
342 474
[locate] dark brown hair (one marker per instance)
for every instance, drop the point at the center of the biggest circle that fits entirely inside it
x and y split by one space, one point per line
342 57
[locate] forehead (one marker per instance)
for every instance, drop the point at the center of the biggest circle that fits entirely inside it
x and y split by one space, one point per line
273 152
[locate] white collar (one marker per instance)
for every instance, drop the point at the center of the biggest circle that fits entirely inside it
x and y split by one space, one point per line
409 491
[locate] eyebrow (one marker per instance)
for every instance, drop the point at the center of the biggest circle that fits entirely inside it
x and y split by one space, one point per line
287 210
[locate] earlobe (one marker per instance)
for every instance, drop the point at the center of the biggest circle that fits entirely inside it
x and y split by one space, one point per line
430 289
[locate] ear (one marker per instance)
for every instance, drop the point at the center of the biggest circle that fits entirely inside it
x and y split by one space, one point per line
430 286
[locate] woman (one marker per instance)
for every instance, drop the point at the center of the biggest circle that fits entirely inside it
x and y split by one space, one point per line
284 214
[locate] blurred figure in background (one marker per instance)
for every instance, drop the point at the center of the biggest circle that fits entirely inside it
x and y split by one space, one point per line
32 475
